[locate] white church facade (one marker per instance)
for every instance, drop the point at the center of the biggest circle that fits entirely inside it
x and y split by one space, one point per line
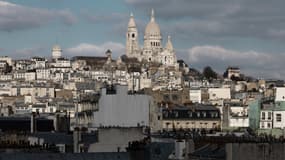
152 50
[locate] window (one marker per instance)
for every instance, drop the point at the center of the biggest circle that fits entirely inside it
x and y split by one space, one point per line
262 124
176 114
263 115
216 114
174 97
166 97
133 35
204 114
269 116
278 117
165 113
198 114
268 125
190 113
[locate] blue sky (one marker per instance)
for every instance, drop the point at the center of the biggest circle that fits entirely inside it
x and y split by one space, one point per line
219 33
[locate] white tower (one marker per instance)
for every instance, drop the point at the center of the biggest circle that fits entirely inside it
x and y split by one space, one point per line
56 52
169 45
168 56
132 46
152 39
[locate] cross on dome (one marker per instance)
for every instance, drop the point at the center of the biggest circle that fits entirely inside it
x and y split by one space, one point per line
152 19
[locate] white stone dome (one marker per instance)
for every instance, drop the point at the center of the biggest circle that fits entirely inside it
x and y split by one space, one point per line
56 48
152 28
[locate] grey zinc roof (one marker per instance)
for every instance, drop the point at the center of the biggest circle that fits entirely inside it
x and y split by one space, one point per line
212 151
67 156
85 86
39 105
195 106
63 138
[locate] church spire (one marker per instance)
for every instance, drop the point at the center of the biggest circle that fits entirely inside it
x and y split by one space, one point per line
131 37
131 21
169 45
152 19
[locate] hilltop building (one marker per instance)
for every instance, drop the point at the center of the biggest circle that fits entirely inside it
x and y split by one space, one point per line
152 50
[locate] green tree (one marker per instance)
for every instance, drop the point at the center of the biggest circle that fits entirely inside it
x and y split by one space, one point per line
209 73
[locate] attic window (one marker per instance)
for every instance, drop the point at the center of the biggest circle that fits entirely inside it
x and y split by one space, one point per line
204 114
190 113
198 114
165 113
283 97
166 97
176 114
174 97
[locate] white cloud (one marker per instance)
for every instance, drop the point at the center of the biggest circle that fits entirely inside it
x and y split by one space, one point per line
199 53
18 17
87 49
254 63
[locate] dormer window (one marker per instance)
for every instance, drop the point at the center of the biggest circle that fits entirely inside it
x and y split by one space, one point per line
198 114
165 113
190 113
204 114
176 114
